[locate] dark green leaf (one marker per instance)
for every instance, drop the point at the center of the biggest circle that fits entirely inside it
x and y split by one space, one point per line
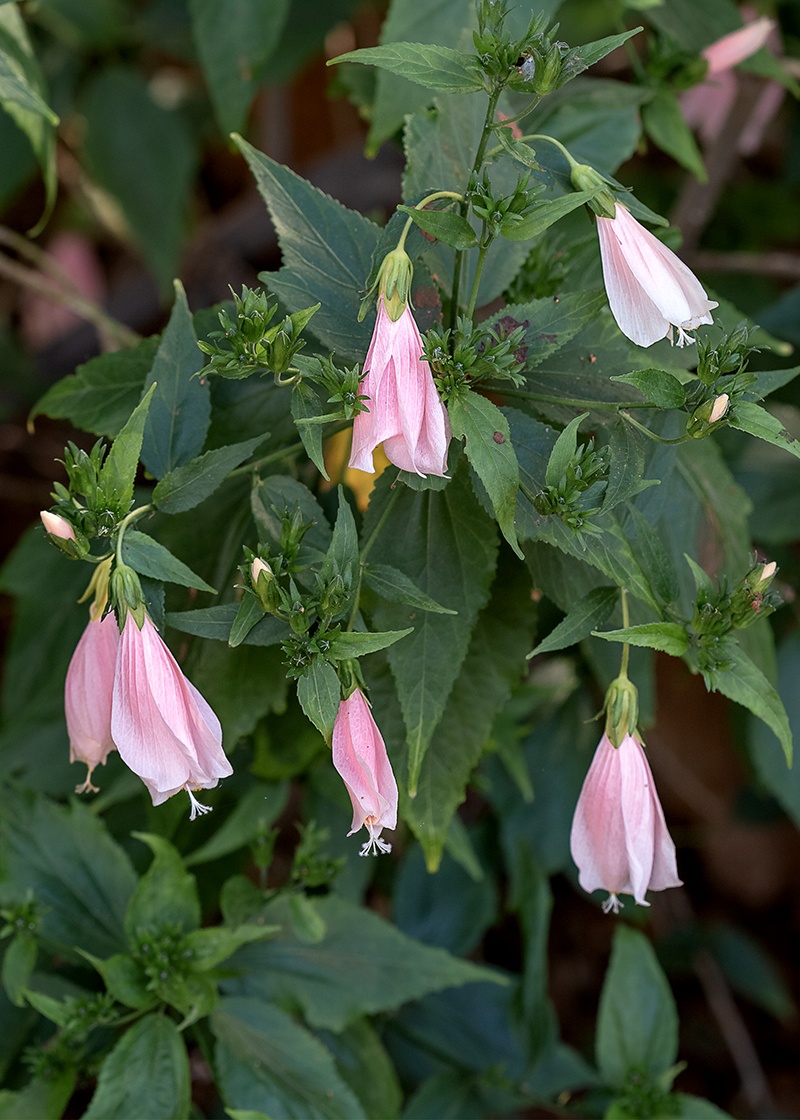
750 971
452 229
656 561
534 903
765 750
319 695
354 644
746 684
637 1028
549 323
482 425
751 418
364 1065
19 961
306 405
563 451
146 1074
216 622
249 614
56 1010
15 88
581 58
695 26
118 472
166 894
253 816
696 1108
546 213
190 484
150 558
626 466
669 637
390 583
180 410
43 1098
427 65
666 126
210 947
343 554
660 387
125 980
589 612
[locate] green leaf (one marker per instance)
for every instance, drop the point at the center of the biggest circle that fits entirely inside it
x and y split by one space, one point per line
666 126
669 637
581 58
424 63
277 493
56 1010
149 558
43 1098
166 894
15 88
626 466
362 966
145 157
482 425
306 405
125 980
656 561
319 695
146 1074
249 614
268 1063
253 816
447 546
343 556
637 1027
355 644
563 451
364 1065
118 472
549 323
103 392
660 387
19 961
545 213
210 947
696 1108
189 485
765 749
750 970
181 407
452 229
534 904
588 613
751 418
695 26
326 252
390 583
746 684
235 40
217 622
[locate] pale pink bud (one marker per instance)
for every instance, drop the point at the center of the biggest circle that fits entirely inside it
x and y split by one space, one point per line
359 755
649 289
57 525
405 413
257 567
767 572
719 408
87 696
163 728
619 837
737 46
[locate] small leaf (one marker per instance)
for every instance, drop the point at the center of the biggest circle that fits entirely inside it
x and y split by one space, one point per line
118 472
563 451
306 405
125 980
166 894
210 947
626 466
392 584
660 387
581 58
666 126
746 684
342 557
353 644
217 622
669 637
249 614
19 961
546 213
319 693
452 229
424 63
189 485
590 611
755 420
149 558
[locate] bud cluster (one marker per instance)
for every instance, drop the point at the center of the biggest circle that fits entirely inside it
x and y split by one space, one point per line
252 346
501 213
86 507
718 611
342 385
586 468
472 352
499 55
311 868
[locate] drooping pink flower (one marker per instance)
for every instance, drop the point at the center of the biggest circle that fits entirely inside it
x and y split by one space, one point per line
738 45
619 839
359 755
57 525
649 289
87 696
405 413
163 728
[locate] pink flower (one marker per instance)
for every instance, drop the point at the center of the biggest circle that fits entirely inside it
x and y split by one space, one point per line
87 696
619 837
405 413
57 525
163 728
737 46
359 755
649 289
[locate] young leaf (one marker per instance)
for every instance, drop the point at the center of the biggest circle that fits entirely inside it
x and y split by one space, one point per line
343 555
150 558
166 894
187 486
545 213
626 466
427 65
452 229
249 614
354 644
563 451
146 1074
589 612
669 637
746 684
660 387
19 961
319 694
666 126
656 561
482 425
125 980
306 405
581 58
390 583
751 418
118 472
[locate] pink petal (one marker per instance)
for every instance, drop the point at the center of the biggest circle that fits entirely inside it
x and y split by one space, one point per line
738 45
359 755
88 690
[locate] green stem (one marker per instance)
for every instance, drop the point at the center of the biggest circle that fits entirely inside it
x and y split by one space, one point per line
552 140
477 279
607 406
123 525
421 206
248 468
652 435
626 621
365 552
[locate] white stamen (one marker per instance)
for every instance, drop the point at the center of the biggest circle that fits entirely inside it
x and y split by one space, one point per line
197 808
88 786
612 903
374 845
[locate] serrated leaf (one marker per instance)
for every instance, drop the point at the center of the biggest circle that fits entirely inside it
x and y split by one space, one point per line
656 561
452 229
626 466
563 451
669 637
343 555
254 814
756 421
660 387
549 323
166 894
666 126
306 405
546 213
118 472
746 684
146 1074
150 558
354 644
589 612
249 614
319 693
390 583
125 980
424 63
490 451
189 485
217 622
581 58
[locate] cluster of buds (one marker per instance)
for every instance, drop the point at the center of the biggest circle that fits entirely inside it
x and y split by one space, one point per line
585 469
547 66
253 346
718 611
498 54
342 386
473 352
729 358
90 506
500 213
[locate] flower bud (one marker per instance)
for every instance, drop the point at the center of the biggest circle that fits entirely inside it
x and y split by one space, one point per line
57 526
748 602
585 178
622 709
394 282
707 416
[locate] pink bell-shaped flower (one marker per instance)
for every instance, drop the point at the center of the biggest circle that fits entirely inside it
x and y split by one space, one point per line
738 45
359 755
619 838
649 289
87 696
163 728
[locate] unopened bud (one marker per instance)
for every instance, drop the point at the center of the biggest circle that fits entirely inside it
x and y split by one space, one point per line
585 178
394 282
622 709
57 526
257 567
767 572
706 415
719 408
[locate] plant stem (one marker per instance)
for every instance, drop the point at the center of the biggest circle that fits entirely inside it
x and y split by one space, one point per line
626 621
606 406
365 552
652 435
477 279
123 525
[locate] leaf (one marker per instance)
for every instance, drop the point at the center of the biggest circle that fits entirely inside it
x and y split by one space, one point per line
750 969
364 1065
534 904
15 88
145 157
306 405
764 748
118 472
189 485
254 814
125 980
669 637
319 694
563 452
656 561
751 418
19 961
354 644
146 1074
276 494
424 63
484 428
626 466
545 213
249 614
362 966
581 58
343 556
446 545
390 583
666 126
166 894
210 947
637 1027
696 26
268 1063
43 1098
452 229
235 40
326 252
589 612
179 414
660 387
103 392
549 323
746 684
216 622
149 558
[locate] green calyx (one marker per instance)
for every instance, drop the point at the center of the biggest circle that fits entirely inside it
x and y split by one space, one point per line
622 709
394 282
585 178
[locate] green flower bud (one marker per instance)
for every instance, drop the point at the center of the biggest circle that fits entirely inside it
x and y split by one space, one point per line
622 709
585 178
